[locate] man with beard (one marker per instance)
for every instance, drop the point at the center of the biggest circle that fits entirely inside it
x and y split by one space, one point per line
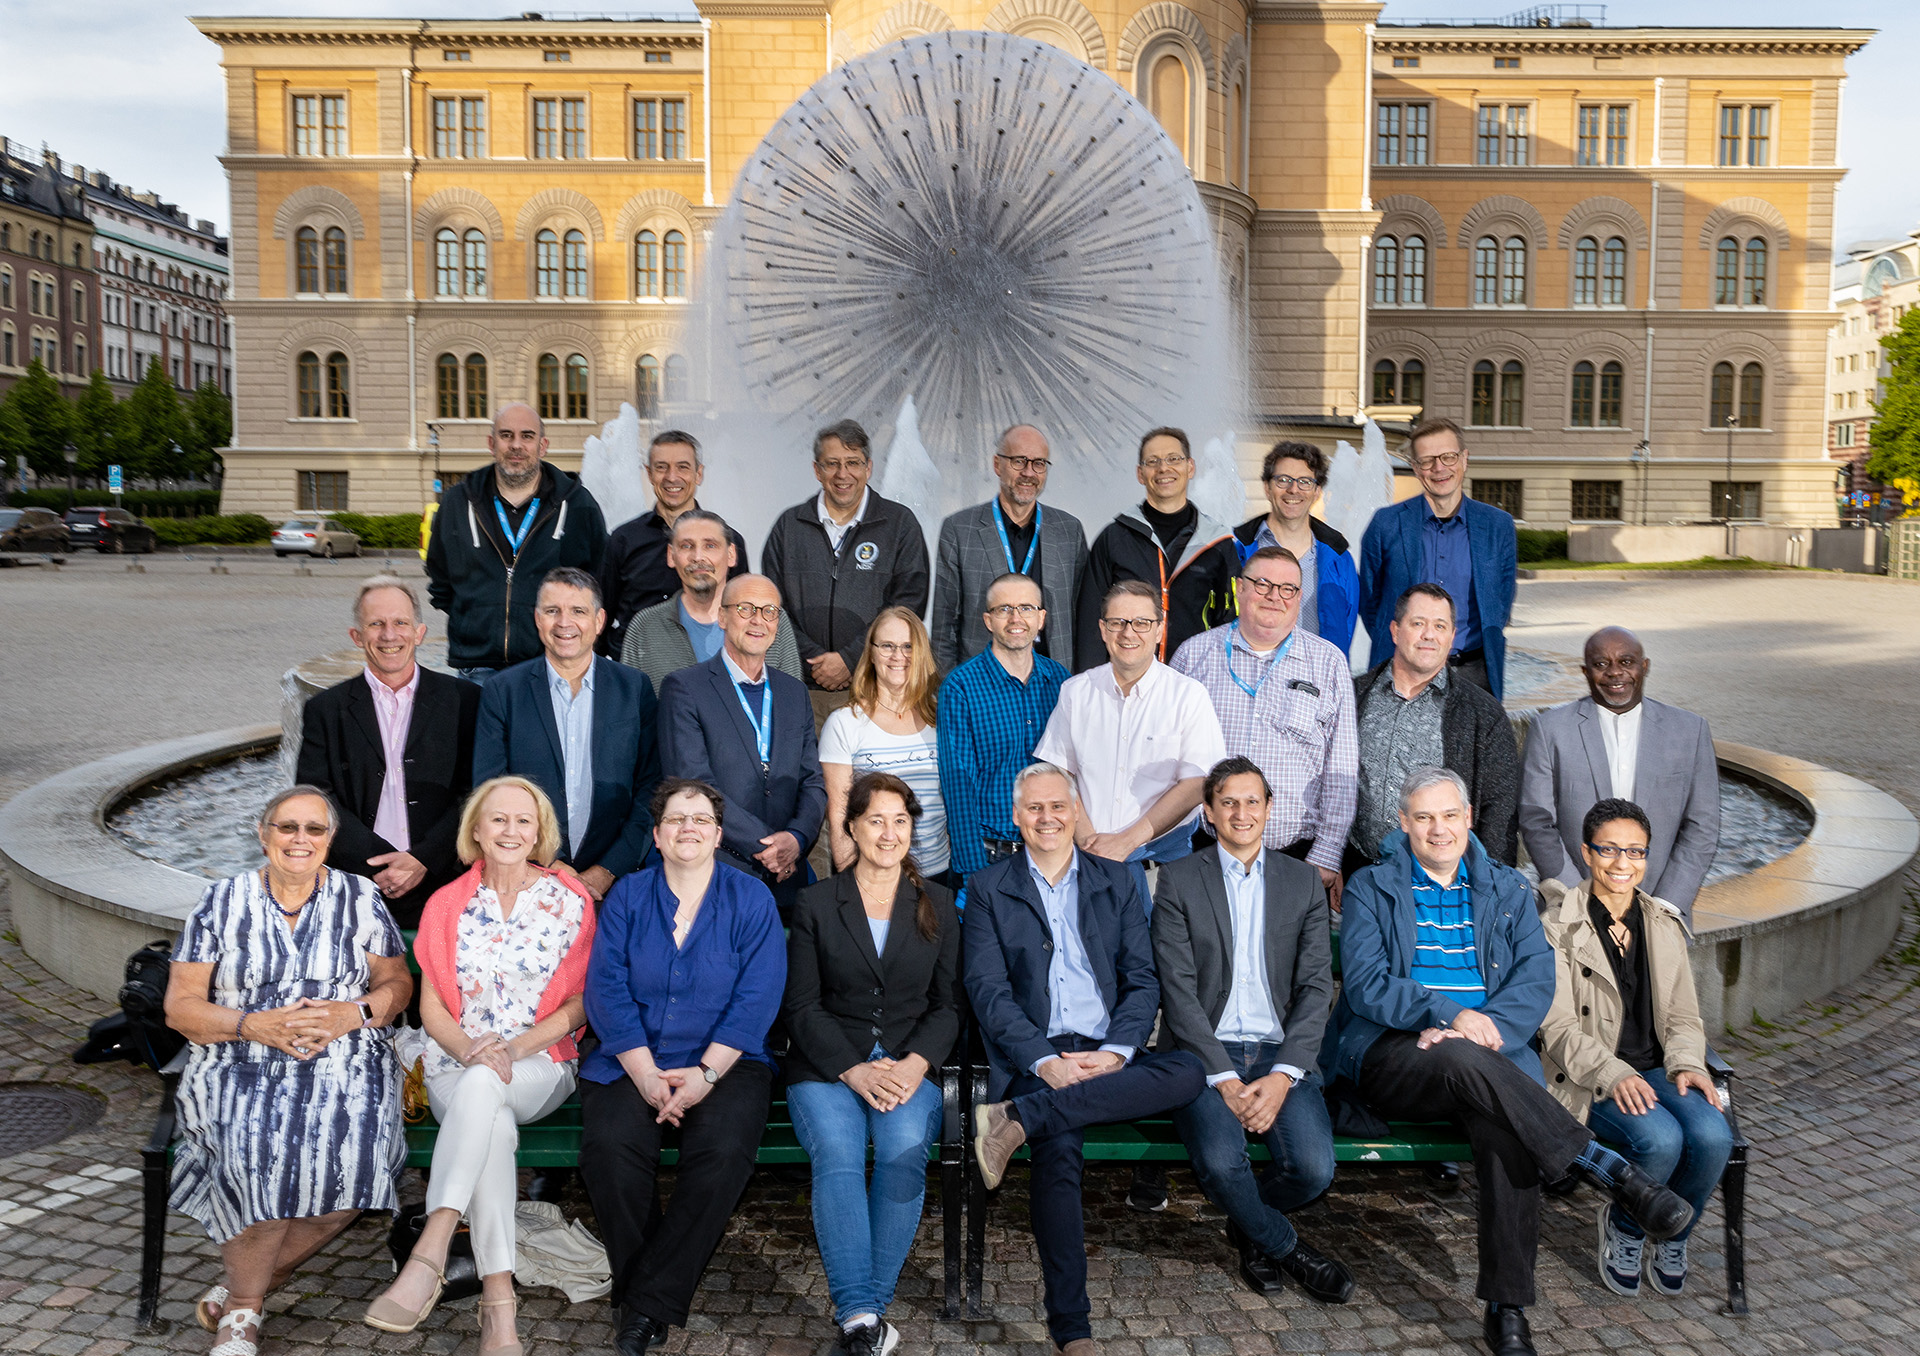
684 630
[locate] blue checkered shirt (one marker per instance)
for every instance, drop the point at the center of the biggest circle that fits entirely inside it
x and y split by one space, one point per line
989 724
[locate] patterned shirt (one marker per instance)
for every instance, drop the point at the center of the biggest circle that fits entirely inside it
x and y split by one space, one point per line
1396 736
1444 957
1298 727
504 962
990 723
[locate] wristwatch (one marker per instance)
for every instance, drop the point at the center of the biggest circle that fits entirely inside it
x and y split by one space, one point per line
711 1074
366 1014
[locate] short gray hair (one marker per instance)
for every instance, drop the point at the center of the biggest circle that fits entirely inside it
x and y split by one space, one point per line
303 789
677 437
1420 778
1032 770
385 581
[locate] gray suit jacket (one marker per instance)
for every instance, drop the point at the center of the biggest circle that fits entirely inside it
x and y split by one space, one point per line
1193 951
971 557
657 644
1676 781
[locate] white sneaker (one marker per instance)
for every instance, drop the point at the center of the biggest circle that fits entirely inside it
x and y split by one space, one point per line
1666 1266
1619 1256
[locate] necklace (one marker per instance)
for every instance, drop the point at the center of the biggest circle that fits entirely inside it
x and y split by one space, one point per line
267 881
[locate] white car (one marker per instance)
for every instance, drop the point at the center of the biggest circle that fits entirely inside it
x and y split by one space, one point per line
318 536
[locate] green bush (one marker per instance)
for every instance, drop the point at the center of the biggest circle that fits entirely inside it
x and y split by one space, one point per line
231 529
1539 543
141 503
391 531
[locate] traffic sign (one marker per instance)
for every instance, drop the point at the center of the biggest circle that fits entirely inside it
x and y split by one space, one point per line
113 480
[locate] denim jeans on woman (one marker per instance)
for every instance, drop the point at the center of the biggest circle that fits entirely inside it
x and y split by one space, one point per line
865 1230
1684 1142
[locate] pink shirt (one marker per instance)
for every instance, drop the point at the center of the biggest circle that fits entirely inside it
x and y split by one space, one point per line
395 711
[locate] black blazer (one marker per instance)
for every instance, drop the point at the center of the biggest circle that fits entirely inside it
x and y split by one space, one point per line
1193 951
842 998
341 753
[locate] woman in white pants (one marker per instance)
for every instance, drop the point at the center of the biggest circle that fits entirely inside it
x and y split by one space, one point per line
503 959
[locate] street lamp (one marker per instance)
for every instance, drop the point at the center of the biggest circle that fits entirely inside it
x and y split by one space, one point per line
1733 422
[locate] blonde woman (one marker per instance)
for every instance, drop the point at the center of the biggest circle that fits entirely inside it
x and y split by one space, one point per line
503 961
889 727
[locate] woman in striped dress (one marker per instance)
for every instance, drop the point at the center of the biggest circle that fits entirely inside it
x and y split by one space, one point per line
285 980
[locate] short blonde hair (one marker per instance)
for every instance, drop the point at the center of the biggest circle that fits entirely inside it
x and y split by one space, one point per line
544 850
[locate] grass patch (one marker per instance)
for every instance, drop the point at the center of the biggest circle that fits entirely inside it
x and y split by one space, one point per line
1703 563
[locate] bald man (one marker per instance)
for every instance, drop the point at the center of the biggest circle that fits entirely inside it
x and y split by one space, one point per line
1616 742
499 531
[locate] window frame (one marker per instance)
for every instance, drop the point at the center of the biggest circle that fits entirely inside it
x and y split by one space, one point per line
320 139
1509 496
1728 500
1754 120
1403 135
1609 495
562 137
1512 136
307 496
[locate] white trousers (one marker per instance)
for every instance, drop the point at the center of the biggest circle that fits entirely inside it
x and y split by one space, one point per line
480 1119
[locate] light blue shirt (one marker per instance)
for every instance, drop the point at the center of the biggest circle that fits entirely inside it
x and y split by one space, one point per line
573 718
706 638
879 928
1249 1016
1074 1004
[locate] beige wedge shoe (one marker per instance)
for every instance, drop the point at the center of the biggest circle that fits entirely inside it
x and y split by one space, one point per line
388 1316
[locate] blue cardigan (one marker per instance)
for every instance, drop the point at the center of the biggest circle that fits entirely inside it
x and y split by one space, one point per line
1390 563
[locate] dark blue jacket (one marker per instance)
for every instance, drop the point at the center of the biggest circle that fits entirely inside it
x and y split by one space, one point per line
1337 598
1006 947
704 733
1390 564
517 735
1376 958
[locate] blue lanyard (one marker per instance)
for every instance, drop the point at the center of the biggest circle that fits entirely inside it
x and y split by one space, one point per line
1254 691
763 727
526 524
1007 546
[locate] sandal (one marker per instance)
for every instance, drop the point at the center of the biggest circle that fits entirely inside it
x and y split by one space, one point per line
512 1348
214 1299
389 1316
237 1345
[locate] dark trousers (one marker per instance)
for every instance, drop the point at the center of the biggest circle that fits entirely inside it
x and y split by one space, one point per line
1471 665
658 1256
1054 1118
1521 1136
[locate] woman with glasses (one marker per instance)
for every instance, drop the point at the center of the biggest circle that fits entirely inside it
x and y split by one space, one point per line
685 981
285 980
860 1057
889 727
1623 1045
1294 475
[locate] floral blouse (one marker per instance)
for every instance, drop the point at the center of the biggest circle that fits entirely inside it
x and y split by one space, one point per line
503 963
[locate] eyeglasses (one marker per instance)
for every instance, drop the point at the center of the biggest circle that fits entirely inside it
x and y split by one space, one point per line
1138 625
1022 465
1609 852
1158 464
681 821
1294 482
893 649
1446 459
1271 588
287 828
834 468
747 612
1006 612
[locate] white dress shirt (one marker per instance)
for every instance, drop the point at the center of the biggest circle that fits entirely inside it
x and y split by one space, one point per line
1249 1016
1621 736
837 532
1125 752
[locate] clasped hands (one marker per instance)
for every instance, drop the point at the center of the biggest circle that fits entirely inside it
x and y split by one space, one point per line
883 1083
1471 1024
1255 1105
1077 1066
672 1092
780 854
495 1051
303 1028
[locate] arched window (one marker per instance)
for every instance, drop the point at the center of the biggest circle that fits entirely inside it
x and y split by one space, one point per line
6 236
678 389
1513 394
1386 383
1172 100
1586 273
307 372
1720 396
334 260
646 386
306 260
547 387
576 387
1513 272
1750 383
646 264
1581 414
1413 272
446 267
1485 384
339 385
546 268
1756 289
1413 382
1500 271
1726 273
80 356
1486 272
1596 395
576 264
1386 276
473 263
446 374
476 386
1613 273
1612 391
673 265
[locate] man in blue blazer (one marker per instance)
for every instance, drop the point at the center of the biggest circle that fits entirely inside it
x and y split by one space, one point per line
1442 537
1059 970
1446 975
746 730
581 729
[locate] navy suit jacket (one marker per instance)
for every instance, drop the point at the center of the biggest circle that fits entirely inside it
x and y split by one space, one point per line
1390 561
704 733
1007 946
517 736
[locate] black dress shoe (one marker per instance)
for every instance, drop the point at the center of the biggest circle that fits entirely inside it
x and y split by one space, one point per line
1652 1205
1320 1276
1256 1268
1507 1332
635 1333
1148 1193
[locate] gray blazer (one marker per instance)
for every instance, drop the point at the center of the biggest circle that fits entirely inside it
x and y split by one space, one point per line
657 644
1676 781
1193 951
971 557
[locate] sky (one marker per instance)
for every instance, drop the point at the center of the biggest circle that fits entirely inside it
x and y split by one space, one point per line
130 88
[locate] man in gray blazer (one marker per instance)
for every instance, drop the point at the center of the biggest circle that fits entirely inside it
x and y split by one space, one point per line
1246 982
1009 534
1613 742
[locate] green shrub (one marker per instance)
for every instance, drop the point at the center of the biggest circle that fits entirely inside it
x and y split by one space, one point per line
141 503
391 531
1539 543
231 529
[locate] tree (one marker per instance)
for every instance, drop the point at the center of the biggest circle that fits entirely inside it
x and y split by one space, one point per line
40 422
151 424
209 427
96 426
1895 437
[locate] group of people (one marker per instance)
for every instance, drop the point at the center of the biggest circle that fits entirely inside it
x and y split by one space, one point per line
1114 805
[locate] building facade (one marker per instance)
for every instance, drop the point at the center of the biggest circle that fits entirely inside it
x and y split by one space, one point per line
1873 289
1524 228
49 299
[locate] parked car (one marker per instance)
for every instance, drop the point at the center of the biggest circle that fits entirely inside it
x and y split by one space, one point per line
319 536
110 530
35 530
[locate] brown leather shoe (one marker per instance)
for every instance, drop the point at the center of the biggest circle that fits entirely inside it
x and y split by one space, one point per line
1080 1346
996 1136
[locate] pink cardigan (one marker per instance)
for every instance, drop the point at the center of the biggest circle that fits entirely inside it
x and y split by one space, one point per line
437 940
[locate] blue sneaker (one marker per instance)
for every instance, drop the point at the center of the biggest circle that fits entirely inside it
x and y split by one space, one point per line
1666 1266
1620 1256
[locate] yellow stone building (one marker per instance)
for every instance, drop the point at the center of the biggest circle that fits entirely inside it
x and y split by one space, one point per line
1594 245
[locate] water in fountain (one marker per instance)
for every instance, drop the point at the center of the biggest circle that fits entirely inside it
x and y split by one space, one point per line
614 471
1359 484
909 476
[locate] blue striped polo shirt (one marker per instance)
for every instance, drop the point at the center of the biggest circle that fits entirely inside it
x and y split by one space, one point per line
1444 958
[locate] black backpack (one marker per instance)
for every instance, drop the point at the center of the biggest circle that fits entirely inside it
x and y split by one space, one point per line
138 1033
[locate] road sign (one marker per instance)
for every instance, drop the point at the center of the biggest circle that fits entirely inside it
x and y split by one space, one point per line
113 480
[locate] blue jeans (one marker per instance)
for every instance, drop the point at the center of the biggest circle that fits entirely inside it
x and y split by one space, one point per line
1684 1142
1300 1140
1170 846
865 1232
